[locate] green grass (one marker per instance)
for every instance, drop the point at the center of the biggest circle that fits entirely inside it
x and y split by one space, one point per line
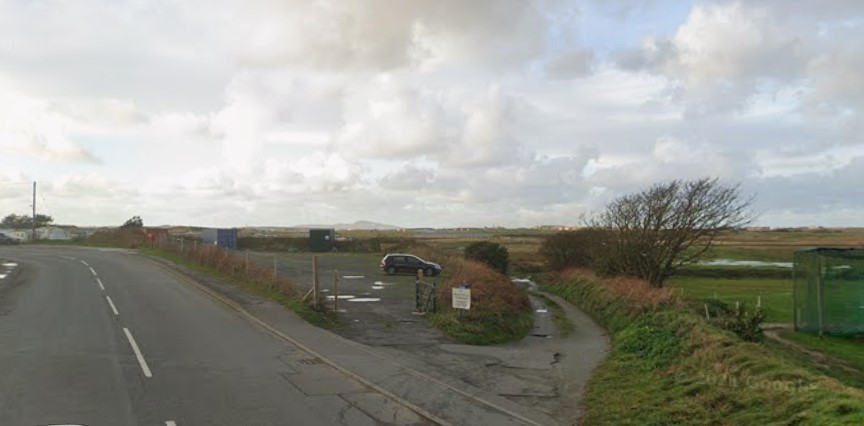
482 328
849 350
304 310
559 317
776 295
760 253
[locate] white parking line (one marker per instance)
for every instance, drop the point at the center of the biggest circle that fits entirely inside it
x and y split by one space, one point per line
138 354
170 423
113 308
99 281
93 271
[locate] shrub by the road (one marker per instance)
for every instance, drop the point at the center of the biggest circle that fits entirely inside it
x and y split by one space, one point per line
500 311
493 254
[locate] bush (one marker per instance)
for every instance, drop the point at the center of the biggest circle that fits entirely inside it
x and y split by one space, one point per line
492 254
500 311
585 248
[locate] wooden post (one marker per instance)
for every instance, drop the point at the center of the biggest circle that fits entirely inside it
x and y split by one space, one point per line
758 301
315 281
335 291
707 316
819 296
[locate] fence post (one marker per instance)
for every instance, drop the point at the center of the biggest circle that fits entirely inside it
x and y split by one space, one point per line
819 295
336 290
707 316
315 281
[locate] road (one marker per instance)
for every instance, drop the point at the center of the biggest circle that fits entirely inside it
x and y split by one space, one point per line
106 337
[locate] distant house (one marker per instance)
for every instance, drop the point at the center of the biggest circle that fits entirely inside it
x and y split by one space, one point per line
52 233
18 234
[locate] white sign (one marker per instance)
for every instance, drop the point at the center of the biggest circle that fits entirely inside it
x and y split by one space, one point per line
461 298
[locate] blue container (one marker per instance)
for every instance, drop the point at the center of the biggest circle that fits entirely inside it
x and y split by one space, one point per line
226 238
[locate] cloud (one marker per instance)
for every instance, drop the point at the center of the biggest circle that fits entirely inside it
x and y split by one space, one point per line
571 64
383 35
30 127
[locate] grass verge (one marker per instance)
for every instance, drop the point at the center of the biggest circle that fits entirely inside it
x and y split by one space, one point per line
559 317
849 350
256 286
668 366
485 328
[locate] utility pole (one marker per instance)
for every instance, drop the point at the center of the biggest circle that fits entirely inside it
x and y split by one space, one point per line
33 236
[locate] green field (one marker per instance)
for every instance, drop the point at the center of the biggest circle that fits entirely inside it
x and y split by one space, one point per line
776 295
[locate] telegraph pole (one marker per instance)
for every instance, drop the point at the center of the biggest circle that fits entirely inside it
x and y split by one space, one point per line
33 236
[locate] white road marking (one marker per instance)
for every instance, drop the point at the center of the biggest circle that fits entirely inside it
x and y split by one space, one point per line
365 299
170 423
100 283
84 263
93 271
113 308
2 276
10 264
138 354
353 277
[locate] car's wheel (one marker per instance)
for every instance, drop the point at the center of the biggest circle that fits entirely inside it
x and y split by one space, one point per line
391 270
428 272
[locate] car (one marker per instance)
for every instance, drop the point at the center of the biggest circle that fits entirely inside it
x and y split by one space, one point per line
395 263
5 239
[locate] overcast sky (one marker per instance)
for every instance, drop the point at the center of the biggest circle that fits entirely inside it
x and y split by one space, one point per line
425 113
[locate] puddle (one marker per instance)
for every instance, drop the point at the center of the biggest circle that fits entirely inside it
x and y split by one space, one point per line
353 277
729 262
365 299
346 296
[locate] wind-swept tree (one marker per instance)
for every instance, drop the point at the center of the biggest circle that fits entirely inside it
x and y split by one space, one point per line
659 229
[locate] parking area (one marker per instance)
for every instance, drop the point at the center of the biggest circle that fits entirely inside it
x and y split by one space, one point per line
377 308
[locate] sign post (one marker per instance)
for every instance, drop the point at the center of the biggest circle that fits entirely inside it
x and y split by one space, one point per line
461 296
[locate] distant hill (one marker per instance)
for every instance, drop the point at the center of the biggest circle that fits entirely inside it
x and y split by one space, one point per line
358 225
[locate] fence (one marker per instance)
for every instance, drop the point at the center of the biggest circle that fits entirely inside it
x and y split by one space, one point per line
829 291
232 263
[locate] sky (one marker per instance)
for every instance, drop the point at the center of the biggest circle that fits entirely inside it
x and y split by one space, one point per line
417 113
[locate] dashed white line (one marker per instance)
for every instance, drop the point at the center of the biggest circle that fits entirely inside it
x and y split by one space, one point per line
138 354
99 281
111 303
82 262
93 271
170 423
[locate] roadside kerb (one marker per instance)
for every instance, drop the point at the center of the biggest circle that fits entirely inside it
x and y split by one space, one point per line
458 403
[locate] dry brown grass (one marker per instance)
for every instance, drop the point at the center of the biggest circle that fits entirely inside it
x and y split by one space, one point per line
639 293
233 265
490 290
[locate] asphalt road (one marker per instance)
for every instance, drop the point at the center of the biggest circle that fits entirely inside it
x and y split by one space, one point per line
102 337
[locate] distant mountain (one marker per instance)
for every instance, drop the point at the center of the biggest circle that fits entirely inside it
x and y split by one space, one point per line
358 225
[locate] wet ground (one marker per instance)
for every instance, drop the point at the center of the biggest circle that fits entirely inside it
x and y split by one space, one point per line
545 370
